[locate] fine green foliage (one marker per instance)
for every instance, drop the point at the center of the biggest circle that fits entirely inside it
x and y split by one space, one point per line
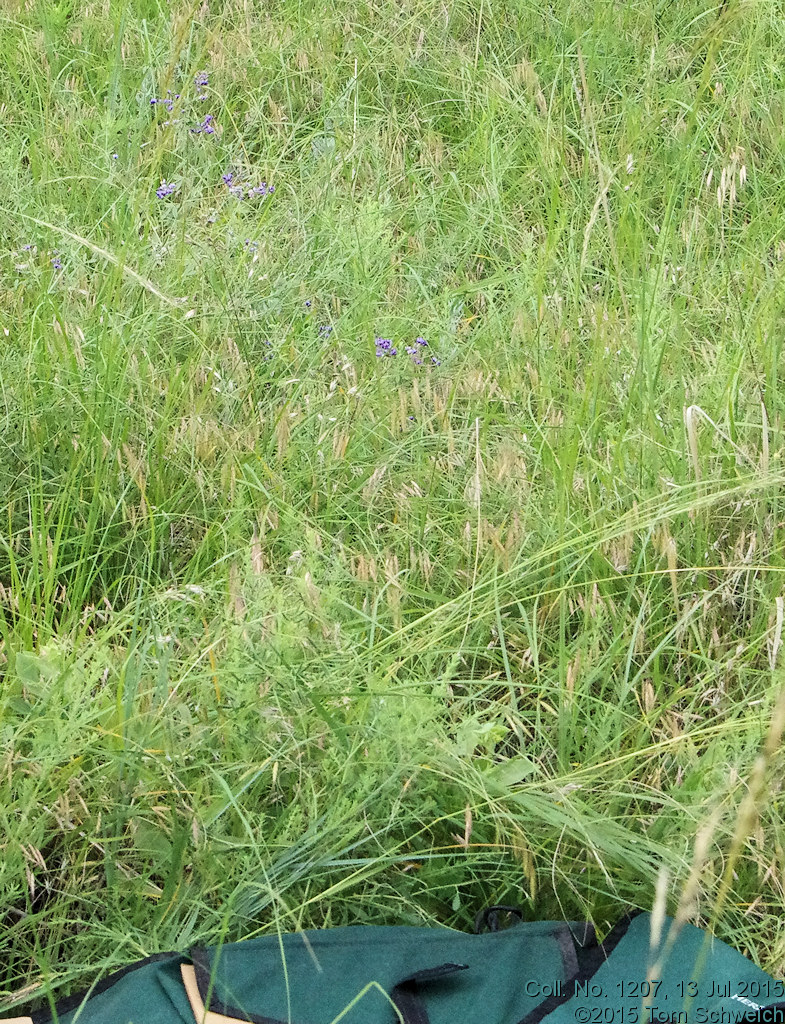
390 470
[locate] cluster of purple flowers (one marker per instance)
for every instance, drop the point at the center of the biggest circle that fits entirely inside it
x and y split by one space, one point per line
166 188
384 347
168 102
325 331
201 81
206 126
56 262
414 352
241 191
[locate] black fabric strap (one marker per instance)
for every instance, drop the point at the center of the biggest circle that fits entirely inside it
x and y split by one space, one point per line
589 960
569 957
406 997
489 917
408 1003
588 937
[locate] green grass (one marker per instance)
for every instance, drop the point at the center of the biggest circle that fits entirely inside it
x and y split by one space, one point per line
292 635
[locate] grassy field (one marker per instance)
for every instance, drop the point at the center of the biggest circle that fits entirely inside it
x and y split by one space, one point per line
391 436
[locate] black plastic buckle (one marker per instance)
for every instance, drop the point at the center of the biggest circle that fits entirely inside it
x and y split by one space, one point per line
489 918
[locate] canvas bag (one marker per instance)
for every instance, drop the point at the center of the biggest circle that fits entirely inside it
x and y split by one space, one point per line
533 972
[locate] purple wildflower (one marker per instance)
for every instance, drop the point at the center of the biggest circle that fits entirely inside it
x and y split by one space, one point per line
385 347
115 156
28 247
57 263
307 303
201 81
206 126
238 190
421 341
435 361
168 103
165 189
325 331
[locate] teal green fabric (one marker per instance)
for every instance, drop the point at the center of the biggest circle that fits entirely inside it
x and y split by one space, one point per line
532 973
152 994
497 963
702 981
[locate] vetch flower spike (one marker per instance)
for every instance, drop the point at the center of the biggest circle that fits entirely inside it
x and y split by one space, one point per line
385 347
206 126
